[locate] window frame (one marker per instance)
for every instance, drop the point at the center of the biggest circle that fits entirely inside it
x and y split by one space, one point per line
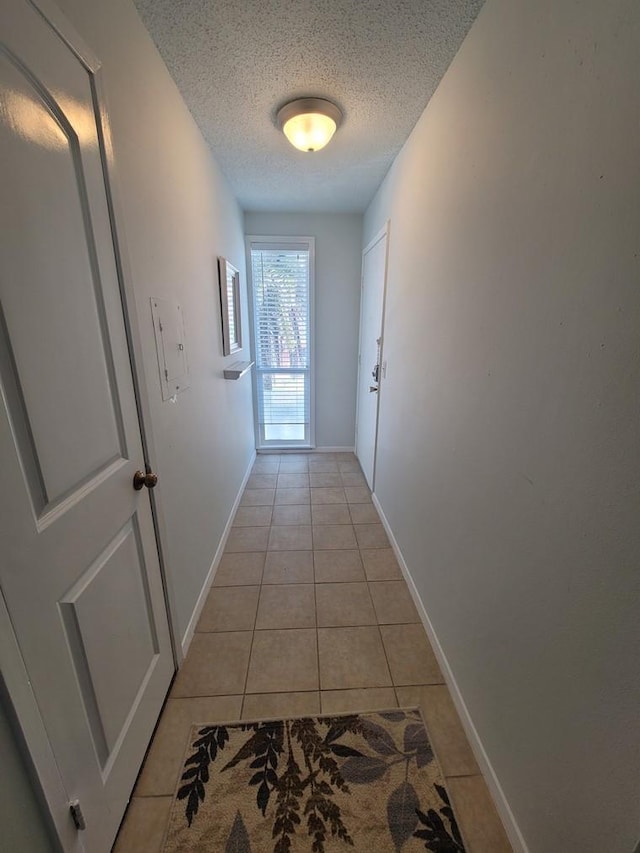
284 243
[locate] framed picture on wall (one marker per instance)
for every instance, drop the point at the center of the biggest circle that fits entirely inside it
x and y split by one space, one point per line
230 306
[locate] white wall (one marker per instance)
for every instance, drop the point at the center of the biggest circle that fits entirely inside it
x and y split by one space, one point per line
508 461
23 824
179 215
337 309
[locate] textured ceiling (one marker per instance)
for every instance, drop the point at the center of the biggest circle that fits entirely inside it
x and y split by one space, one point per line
236 61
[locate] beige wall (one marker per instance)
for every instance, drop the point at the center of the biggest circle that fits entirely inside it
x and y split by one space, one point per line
338 253
508 461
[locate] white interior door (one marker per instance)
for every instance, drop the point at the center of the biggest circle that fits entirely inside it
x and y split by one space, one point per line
374 270
79 566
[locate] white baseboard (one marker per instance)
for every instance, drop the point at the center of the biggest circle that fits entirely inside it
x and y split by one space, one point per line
284 450
191 627
506 815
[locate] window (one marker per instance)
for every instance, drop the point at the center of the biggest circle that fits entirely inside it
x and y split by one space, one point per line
282 310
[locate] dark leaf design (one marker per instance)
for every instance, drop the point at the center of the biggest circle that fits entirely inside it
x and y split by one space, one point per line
401 813
264 746
238 841
437 838
378 738
424 755
289 792
415 740
392 716
415 737
363 770
447 811
344 751
196 774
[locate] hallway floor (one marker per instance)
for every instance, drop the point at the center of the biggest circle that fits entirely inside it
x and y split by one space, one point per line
308 613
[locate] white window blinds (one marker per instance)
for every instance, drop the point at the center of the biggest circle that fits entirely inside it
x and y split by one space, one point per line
280 277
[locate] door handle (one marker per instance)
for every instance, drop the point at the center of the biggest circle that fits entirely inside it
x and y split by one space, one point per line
148 479
376 373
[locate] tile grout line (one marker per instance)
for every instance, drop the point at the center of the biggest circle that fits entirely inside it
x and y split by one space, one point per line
255 619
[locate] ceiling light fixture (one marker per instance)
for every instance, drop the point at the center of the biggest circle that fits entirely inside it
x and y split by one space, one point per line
309 123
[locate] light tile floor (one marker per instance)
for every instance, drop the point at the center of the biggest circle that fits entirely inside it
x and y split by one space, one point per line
308 613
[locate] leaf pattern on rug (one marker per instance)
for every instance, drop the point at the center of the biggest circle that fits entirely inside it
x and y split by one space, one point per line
238 841
196 775
303 769
436 836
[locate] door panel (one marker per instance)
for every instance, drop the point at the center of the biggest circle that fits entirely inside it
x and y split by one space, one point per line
79 568
67 379
374 260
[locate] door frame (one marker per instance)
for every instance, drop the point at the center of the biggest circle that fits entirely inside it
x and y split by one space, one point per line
24 707
382 233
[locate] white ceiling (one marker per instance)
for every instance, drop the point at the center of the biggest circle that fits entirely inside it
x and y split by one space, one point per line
236 61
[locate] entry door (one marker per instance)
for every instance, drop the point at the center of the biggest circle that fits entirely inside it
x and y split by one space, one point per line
374 267
79 566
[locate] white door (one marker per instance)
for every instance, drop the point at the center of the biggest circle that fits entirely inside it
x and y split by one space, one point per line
78 566
374 270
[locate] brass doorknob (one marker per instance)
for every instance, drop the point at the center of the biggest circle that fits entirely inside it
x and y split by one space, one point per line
141 479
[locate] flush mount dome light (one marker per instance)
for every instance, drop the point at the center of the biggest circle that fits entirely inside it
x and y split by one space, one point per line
309 123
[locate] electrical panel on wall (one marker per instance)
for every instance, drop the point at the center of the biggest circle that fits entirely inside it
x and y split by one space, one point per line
168 325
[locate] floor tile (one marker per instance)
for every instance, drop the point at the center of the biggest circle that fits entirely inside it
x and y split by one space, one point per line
318 479
292 514
348 463
364 514
283 661
262 481
351 478
358 494
445 729
164 759
144 825
247 539
240 569
257 497
410 655
299 466
292 496
295 457
283 567
262 466
380 564
323 466
371 536
290 538
328 496
287 606
229 608
344 604
330 514
351 701
252 516
393 603
264 706
337 566
216 665
333 537
293 481
352 657
480 826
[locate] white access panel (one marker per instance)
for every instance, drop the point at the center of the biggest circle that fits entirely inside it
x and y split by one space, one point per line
168 326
